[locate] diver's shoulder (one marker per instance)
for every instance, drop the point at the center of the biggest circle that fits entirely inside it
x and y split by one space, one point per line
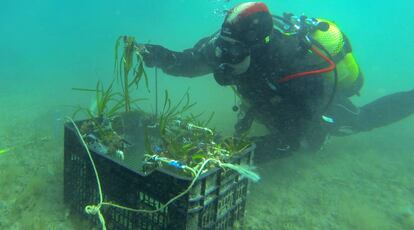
287 49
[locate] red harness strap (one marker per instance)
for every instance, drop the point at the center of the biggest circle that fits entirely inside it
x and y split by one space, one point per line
330 68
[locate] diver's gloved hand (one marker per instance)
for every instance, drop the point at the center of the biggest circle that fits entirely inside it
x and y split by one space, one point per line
244 123
153 55
222 74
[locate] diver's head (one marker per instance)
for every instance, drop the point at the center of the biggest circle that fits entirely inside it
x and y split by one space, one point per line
245 25
250 23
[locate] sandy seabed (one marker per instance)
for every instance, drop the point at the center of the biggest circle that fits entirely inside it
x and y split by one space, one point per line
359 182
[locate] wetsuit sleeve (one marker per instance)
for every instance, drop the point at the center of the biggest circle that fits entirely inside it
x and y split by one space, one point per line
193 62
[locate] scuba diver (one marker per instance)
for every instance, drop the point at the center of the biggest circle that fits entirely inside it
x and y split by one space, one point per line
293 74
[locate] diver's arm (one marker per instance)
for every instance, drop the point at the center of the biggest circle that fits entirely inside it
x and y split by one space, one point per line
191 62
245 121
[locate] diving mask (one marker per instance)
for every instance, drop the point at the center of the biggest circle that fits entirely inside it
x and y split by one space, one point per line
230 51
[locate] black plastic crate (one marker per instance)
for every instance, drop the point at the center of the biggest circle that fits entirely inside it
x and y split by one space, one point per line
216 201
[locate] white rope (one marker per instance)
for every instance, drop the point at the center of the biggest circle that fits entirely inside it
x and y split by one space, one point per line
96 209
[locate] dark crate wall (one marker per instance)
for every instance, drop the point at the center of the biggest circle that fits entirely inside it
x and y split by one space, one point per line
216 201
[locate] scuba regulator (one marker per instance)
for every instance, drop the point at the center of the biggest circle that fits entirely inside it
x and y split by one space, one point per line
303 26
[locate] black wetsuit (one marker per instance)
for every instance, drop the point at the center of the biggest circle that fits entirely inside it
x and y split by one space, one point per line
292 111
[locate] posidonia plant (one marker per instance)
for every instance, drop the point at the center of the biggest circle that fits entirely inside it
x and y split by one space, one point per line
129 68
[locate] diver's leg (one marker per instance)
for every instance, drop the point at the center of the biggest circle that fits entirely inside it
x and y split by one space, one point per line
270 147
386 110
343 118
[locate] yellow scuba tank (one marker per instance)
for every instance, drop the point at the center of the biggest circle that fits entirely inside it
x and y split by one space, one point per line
350 78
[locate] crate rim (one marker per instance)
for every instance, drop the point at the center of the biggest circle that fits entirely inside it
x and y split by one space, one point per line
234 158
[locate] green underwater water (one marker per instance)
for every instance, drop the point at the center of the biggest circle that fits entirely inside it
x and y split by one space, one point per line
363 181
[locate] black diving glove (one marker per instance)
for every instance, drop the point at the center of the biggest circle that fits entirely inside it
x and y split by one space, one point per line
155 55
244 123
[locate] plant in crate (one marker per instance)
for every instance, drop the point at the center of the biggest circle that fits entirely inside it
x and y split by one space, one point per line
103 129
